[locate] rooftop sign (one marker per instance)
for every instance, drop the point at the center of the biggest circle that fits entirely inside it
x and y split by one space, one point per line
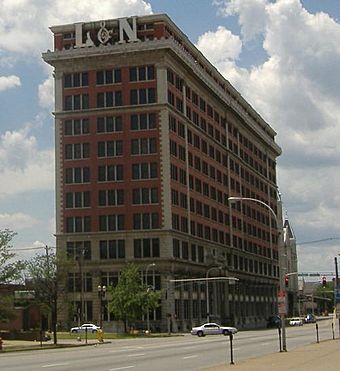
126 32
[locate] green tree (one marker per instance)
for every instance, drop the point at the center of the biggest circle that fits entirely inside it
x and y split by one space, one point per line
326 292
47 273
10 271
130 298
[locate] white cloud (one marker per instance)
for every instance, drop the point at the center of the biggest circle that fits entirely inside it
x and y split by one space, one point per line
23 167
17 221
46 93
251 15
8 82
229 45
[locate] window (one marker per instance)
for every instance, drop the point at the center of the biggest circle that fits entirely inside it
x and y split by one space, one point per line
112 249
73 282
76 127
180 249
75 80
170 77
142 73
109 279
144 196
143 96
77 151
76 102
78 249
111 223
144 121
109 99
77 199
109 77
144 170
109 124
110 173
111 197
146 248
110 148
146 221
171 98
143 146
77 175
176 248
78 224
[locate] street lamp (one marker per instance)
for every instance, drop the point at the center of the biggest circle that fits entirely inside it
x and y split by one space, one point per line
101 295
280 246
207 291
147 308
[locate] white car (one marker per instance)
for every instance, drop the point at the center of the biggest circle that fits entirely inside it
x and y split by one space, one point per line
90 327
213 329
296 322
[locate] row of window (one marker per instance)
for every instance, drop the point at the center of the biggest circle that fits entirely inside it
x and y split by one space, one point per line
113 222
182 250
110 124
109 76
114 249
111 173
111 148
109 99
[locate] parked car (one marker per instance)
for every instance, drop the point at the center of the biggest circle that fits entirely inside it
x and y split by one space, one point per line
310 318
274 321
212 329
90 327
296 322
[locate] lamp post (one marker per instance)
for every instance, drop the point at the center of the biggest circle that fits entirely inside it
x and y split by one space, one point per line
147 308
101 295
280 247
207 291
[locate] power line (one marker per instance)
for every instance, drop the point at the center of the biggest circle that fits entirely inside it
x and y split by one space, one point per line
34 248
316 241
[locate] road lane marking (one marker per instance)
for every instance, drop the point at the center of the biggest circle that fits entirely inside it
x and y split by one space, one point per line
193 356
55 365
121 368
136 355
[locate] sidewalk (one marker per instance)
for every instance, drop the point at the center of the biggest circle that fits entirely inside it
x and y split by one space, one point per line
324 356
16 345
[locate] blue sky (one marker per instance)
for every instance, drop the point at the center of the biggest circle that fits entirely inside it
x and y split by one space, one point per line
283 56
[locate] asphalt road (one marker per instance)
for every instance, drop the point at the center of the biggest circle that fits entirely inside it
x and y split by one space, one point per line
163 354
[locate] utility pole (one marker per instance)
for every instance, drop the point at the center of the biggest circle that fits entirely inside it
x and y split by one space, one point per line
336 285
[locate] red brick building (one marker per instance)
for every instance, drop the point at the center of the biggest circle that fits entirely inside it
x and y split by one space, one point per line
151 141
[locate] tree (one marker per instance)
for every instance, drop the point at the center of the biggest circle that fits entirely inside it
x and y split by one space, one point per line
47 273
130 298
10 271
327 293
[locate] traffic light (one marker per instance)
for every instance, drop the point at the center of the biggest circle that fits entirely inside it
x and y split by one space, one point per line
324 282
286 281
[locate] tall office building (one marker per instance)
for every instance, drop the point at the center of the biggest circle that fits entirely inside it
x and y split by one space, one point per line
151 141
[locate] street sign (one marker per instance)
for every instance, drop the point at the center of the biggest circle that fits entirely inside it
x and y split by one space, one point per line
282 302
